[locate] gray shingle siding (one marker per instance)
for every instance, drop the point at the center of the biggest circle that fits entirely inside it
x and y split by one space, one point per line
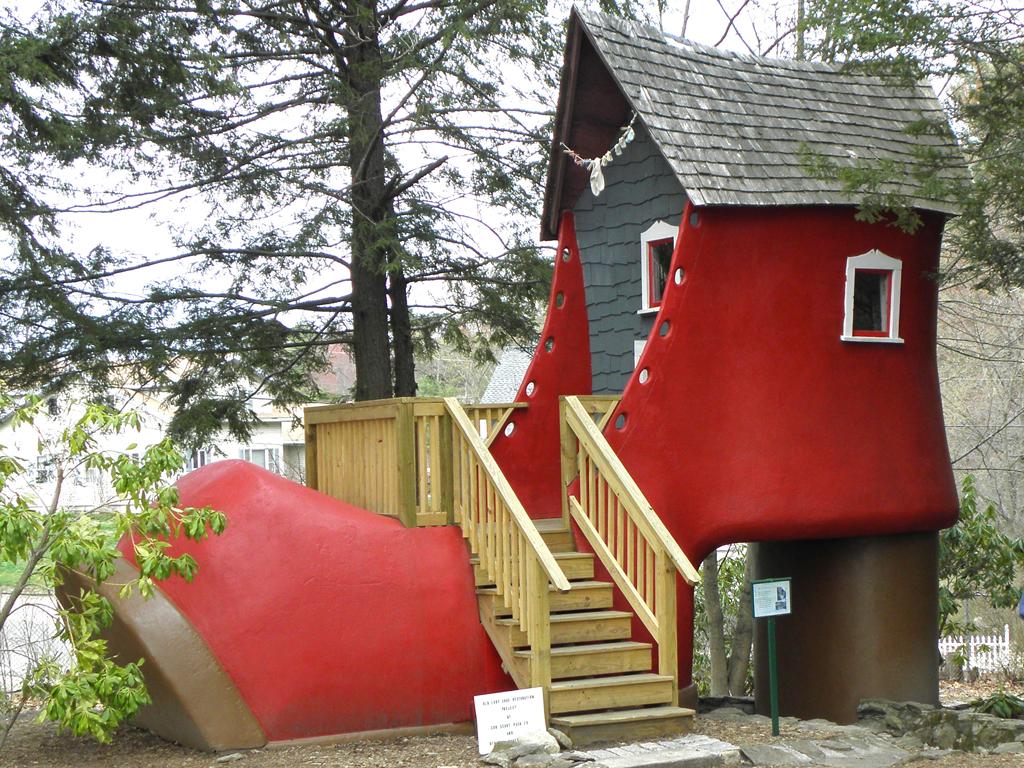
641 189
734 128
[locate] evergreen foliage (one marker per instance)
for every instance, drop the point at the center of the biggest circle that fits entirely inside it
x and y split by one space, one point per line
974 54
331 164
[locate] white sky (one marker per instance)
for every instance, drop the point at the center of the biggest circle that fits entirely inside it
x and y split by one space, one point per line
145 232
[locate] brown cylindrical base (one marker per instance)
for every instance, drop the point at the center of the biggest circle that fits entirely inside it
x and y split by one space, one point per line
864 624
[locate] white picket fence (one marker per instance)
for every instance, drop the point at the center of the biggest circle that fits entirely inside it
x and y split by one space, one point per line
986 653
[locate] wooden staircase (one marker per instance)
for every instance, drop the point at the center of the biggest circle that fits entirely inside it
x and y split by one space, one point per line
425 461
602 684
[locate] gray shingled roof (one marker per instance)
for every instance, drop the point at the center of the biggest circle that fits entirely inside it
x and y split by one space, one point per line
507 376
732 126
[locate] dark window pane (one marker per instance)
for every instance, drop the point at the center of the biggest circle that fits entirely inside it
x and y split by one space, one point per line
661 257
871 301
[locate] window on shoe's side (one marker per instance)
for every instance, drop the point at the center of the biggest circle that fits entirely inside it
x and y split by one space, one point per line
656 245
872 298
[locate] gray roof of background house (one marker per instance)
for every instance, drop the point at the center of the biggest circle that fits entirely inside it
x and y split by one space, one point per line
732 127
507 376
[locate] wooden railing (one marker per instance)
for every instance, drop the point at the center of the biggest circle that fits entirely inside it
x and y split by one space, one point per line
392 457
490 417
364 454
633 544
600 407
433 441
506 540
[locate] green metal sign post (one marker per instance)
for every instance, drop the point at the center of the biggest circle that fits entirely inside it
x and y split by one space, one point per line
773 676
772 597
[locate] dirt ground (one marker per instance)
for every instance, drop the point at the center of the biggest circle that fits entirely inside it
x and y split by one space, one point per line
34 745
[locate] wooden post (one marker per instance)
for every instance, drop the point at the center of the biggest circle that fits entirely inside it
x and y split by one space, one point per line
665 613
539 629
568 450
405 440
311 477
446 457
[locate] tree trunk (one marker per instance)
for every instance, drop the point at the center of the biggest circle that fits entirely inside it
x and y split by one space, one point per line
743 635
716 626
371 348
401 334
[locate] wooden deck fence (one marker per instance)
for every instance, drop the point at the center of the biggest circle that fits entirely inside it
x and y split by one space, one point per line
393 457
425 461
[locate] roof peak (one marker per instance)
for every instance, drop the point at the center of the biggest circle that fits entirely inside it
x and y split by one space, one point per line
685 43
737 129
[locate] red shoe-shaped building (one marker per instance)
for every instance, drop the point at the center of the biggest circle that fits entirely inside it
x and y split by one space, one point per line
775 353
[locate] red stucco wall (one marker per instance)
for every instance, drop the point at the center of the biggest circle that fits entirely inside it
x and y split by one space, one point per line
330 619
757 422
530 456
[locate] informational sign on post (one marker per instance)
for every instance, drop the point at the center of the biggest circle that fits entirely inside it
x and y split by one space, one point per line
505 716
772 597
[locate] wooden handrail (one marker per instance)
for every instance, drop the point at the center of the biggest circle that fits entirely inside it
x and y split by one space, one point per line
392 457
610 465
632 543
511 550
599 405
492 415
499 486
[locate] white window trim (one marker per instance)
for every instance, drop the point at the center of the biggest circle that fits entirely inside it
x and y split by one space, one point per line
875 260
659 230
638 349
273 455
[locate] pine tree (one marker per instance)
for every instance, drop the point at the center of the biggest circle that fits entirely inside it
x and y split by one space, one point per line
974 54
330 160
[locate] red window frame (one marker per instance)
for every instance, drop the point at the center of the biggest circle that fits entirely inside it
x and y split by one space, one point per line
884 333
651 244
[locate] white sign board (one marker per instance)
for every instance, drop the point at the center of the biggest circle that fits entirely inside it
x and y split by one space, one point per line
504 716
772 597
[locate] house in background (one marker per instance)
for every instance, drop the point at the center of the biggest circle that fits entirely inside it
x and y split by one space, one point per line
276 444
507 376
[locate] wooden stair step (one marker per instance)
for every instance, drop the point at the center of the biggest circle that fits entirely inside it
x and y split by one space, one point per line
575 566
584 595
582 627
555 534
592 693
596 659
647 723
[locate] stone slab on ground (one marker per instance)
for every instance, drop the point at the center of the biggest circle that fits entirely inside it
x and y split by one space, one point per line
693 751
845 752
774 754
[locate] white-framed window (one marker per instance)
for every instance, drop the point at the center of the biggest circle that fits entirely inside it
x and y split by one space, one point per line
268 457
46 468
871 310
656 245
200 458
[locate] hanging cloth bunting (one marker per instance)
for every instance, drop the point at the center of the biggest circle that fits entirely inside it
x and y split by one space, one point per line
596 164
